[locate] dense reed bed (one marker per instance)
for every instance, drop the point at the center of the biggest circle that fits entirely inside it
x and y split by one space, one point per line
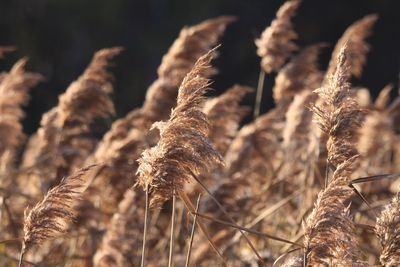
181 181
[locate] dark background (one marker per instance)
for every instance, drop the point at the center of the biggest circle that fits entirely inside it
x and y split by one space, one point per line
60 36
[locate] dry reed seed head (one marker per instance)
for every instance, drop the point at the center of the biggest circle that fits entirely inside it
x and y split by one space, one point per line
357 48
298 120
183 149
50 218
361 96
338 114
329 230
261 136
301 73
275 44
387 229
192 43
64 138
120 129
383 99
224 114
123 238
161 96
117 174
14 93
294 261
376 135
97 69
88 97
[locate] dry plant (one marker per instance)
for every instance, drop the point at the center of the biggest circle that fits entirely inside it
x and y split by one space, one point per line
275 44
14 94
60 145
183 150
387 230
291 188
50 218
355 39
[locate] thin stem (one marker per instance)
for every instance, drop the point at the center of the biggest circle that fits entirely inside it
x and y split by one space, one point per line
192 232
146 214
21 256
171 241
284 255
203 229
260 89
251 231
227 215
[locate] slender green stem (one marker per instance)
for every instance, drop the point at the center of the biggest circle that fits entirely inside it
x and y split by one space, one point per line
260 89
171 241
192 232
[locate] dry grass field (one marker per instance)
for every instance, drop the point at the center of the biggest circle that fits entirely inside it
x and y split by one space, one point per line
181 181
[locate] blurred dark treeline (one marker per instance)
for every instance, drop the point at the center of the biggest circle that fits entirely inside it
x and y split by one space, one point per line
60 36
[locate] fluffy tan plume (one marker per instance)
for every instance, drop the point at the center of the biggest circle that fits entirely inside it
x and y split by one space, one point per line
276 42
301 73
50 218
130 135
14 93
255 152
116 176
183 149
121 243
387 230
357 48
383 98
87 98
192 43
161 96
329 236
224 114
64 140
338 114
298 122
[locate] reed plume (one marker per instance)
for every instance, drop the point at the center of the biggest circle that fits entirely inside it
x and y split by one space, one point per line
300 73
117 175
122 145
120 246
276 42
87 98
338 114
191 43
329 231
183 149
14 93
66 130
387 230
329 235
224 114
255 151
383 99
357 48
50 218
